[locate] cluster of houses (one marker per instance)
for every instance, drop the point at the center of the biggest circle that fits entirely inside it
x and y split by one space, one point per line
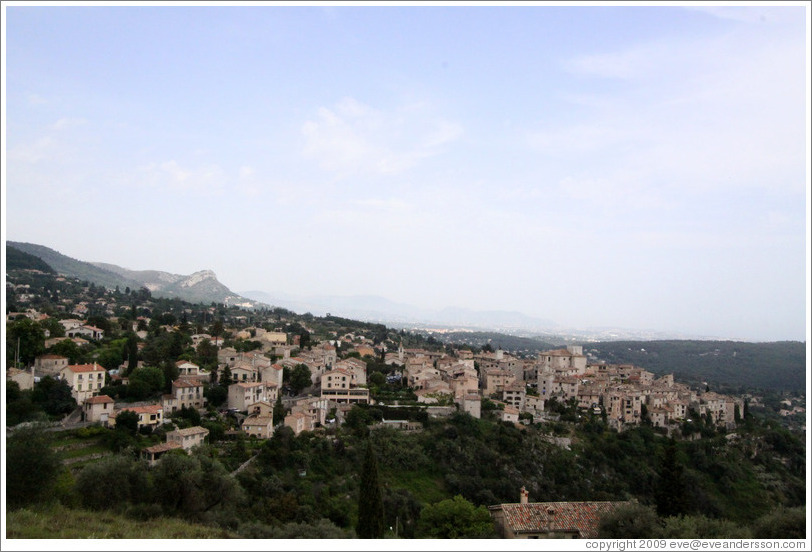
517 389
624 394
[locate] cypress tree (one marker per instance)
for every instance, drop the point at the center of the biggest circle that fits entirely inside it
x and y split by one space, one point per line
370 500
670 492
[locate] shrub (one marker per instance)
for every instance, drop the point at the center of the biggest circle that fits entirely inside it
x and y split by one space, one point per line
632 521
782 523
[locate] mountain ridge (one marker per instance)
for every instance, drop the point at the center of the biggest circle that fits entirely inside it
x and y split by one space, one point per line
199 287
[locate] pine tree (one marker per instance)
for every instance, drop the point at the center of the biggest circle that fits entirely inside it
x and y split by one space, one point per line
370 500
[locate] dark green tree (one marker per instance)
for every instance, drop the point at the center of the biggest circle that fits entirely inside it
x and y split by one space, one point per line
370 500
629 522
377 378
29 337
55 329
455 518
132 352
206 354
225 378
151 376
113 482
53 396
781 523
299 377
127 422
19 407
68 349
193 485
670 492
215 394
32 468
278 411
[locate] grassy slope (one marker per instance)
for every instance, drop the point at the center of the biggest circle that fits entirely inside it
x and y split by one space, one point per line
58 522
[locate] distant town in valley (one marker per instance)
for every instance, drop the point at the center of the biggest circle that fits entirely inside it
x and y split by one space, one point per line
253 421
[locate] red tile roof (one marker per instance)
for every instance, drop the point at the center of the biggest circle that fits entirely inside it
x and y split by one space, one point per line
99 399
548 517
163 447
186 383
149 409
77 368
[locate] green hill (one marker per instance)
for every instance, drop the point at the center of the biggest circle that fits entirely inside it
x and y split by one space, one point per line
20 260
68 266
778 366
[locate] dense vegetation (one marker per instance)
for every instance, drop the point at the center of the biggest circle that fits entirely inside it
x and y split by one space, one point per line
67 265
310 485
315 479
725 365
518 345
19 260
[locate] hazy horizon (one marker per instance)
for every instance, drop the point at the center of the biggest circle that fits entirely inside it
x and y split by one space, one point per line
633 167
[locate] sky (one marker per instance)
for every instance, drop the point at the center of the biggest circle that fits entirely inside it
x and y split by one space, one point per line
638 167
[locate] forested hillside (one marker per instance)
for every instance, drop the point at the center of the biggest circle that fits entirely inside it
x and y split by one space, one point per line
19 260
726 365
72 267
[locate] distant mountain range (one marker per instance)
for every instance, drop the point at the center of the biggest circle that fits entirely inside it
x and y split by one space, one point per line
203 287
379 309
373 308
200 287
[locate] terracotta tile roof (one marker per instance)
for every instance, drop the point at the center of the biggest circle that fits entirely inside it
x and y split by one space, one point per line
557 352
545 517
186 383
149 409
99 399
163 447
196 430
77 368
257 420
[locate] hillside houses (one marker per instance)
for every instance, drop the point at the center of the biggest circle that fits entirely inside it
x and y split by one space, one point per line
242 395
341 386
84 380
623 394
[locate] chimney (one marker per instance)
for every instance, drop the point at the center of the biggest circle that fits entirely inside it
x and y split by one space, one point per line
523 496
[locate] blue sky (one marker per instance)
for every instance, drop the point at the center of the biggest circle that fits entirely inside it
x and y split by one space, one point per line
641 167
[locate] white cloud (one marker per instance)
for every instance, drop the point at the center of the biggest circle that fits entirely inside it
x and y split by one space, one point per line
32 152
207 180
55 143
353 138
36 99
748 14
68 122
718 113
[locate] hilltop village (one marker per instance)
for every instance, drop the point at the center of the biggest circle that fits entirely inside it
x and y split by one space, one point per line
518 390
267 414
